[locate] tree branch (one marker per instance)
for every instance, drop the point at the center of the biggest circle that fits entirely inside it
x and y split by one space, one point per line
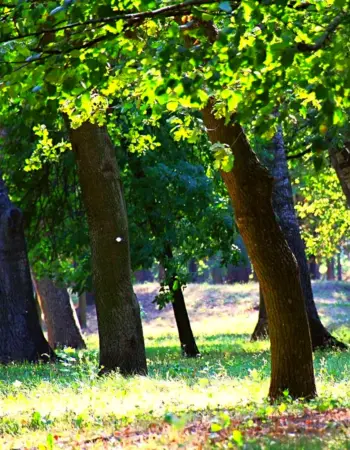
131 18
321 41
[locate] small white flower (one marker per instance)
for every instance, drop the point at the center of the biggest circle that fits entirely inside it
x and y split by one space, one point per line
119 239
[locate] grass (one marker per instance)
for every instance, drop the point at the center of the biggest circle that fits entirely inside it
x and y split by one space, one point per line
216 401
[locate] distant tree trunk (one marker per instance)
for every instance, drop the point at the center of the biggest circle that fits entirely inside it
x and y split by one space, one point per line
21 337
60 316
283 205
193 269
261 330
82 310
250 188
330 269
188 343
216 274
339 268
118 311
340 160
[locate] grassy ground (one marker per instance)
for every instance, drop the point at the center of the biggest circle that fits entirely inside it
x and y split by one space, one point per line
217 401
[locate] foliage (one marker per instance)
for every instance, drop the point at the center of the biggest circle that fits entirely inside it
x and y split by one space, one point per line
325 218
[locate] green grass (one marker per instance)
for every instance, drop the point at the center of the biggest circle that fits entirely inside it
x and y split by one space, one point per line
66 404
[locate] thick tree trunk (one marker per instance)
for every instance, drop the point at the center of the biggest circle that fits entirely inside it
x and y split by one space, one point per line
340 160
250 188
261 330
21 337
283 205
187 341
60 317
118 312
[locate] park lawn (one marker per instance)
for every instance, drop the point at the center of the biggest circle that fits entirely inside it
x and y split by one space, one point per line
216 401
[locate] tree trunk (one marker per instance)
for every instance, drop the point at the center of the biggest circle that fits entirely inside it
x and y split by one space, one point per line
340 160
187 341
60 317
261 330
21 336
330 269
283 205
250 188
118 311
82 310
339 268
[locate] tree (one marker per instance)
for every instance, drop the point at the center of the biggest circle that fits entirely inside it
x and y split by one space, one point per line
283 205
118 312
61 320
175 216
249 70
250 188
21 335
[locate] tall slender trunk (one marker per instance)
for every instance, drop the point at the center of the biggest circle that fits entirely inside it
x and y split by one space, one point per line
339 268
118 312
330 269
250 188
340 160
261 330
21 337
60 316
283 206
188 343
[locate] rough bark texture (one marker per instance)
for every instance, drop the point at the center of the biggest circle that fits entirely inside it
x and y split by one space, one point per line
118 312
21 337
340 160
60 317
261 330
283 205
250 188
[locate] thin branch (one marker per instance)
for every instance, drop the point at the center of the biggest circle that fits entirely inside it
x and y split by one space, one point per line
299 155
321 41
128 17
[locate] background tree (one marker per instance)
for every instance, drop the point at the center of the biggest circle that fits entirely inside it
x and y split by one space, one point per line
21 335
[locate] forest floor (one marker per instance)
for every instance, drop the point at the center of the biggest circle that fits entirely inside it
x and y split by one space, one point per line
217 401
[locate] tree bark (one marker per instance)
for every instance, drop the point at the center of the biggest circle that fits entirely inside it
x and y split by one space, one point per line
330 269
339 267
118 312
261 330
21 336
250 188
340 160
60 316
82 310
187 341
283 206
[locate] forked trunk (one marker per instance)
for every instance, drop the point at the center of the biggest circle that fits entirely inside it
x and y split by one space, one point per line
118 312
283 206
261 330
21 337
250 188
60 316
